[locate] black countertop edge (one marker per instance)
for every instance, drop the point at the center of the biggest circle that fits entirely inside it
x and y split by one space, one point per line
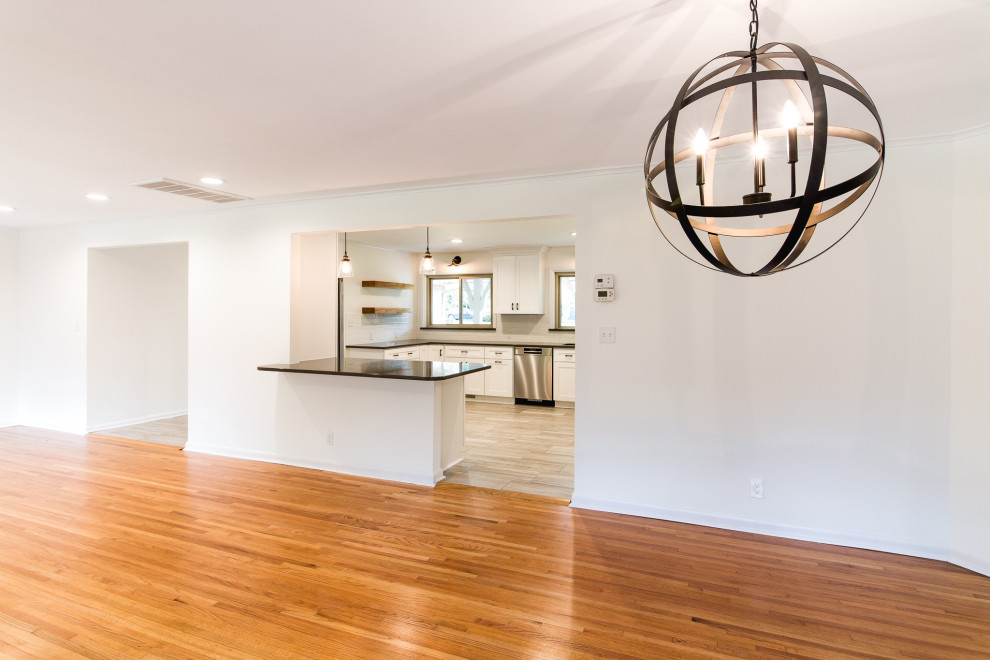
560 329
394 369
468 329
401 343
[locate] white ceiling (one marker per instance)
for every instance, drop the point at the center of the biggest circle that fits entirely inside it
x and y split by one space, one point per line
283 99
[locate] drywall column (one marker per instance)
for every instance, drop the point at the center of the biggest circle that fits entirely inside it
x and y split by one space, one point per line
970 417
313 297
9 249
137 339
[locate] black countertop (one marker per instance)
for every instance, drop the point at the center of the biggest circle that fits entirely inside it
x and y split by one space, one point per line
400 369
400 343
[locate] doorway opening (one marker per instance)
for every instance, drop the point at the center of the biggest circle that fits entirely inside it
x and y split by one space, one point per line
393 311
138 342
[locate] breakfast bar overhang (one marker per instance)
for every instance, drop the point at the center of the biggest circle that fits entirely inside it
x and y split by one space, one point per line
399 420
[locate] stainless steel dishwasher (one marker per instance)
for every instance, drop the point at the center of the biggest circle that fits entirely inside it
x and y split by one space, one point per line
532 379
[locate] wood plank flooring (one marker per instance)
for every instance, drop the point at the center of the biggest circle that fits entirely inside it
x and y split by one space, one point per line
529 449
116 549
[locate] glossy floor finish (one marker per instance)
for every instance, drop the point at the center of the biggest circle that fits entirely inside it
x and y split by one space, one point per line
171 431
528 449
117 549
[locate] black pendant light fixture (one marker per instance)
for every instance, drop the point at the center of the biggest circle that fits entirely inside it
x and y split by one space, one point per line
427 266
700 221
345 268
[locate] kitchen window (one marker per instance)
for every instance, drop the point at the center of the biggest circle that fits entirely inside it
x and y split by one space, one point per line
458 301
566 300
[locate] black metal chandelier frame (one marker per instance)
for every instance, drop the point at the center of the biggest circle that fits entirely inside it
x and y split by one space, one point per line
809 204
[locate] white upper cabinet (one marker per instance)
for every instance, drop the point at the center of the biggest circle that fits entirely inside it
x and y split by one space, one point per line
519 282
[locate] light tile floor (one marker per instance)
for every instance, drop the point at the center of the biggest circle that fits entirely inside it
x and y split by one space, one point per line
527 449
172 431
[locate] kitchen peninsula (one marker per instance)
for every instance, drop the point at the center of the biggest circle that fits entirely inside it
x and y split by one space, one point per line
390 419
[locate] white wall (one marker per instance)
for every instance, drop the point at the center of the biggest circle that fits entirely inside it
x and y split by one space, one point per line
970 432
372 263
830 382
313 298
137 334
9 250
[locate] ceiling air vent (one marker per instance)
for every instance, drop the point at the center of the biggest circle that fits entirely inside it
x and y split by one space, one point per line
189 190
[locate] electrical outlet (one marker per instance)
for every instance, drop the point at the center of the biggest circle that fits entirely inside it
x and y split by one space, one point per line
606 335
756 488
330 438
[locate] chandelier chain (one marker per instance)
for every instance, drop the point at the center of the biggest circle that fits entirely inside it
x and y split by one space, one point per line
754 26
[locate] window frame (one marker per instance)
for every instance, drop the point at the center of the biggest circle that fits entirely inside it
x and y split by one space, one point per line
460 325
557 275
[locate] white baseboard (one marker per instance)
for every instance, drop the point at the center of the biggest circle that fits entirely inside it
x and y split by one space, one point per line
975 564
136 420
881 544
315 464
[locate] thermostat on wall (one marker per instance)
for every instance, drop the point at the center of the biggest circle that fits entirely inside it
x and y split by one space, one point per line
604 281
604 295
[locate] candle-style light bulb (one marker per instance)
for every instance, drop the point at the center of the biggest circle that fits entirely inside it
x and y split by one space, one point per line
789 116
700 142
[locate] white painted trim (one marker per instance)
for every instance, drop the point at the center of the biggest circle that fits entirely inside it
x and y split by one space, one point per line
136 420
303 462
969 562
878 543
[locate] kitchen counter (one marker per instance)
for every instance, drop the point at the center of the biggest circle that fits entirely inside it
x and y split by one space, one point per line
400 343
401 369
398 420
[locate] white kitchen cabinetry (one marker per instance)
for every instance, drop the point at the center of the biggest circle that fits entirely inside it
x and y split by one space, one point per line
519 283
473 383
432 353
498 379
563 374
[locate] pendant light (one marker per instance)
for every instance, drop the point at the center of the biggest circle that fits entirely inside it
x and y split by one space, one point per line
799 86
427 266
345 269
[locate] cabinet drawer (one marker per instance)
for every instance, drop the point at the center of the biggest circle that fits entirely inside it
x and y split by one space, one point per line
405 353
463 353
498 353
563 355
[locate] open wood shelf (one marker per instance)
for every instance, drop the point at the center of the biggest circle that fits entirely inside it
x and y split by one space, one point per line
386 285
386 310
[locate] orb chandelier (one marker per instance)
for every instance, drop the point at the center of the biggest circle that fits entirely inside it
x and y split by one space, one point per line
695 217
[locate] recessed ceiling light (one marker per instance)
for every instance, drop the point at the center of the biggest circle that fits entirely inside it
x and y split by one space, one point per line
456 240
573 233
97 197
210 180
7 209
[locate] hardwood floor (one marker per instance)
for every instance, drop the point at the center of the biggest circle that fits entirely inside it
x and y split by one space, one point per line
116 549
528 449
172 431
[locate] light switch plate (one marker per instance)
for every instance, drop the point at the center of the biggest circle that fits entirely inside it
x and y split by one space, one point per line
606 335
